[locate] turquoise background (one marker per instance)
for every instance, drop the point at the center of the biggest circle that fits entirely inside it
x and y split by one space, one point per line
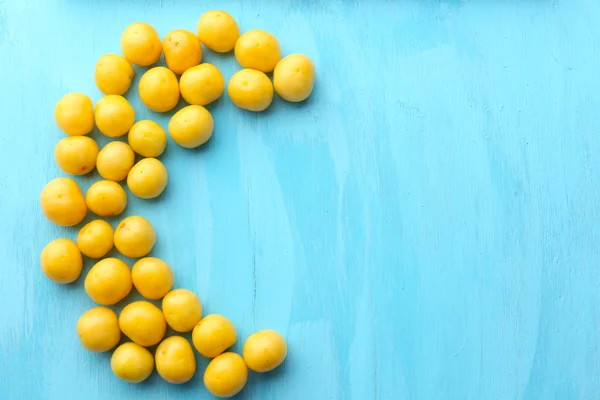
426 226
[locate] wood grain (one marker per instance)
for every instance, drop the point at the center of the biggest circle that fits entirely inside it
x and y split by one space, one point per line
424 227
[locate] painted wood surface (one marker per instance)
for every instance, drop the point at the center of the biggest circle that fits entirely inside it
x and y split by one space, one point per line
424 227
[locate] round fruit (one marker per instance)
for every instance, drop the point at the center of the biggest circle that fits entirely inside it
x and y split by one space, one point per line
135 237
191 126
113 74
95 239
115 160
114 115
106 198
132 363
148 178
74 114
251 90
226 375
159 89
218 31
62 202
108 282
147 138
202 84
182 50
175 360
76 155
140 44
264 351
143 323
61 261
98 329
258 50
294 77
182 310
152 277
213 335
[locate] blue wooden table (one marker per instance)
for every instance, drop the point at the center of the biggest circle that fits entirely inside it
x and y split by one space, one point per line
426 226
